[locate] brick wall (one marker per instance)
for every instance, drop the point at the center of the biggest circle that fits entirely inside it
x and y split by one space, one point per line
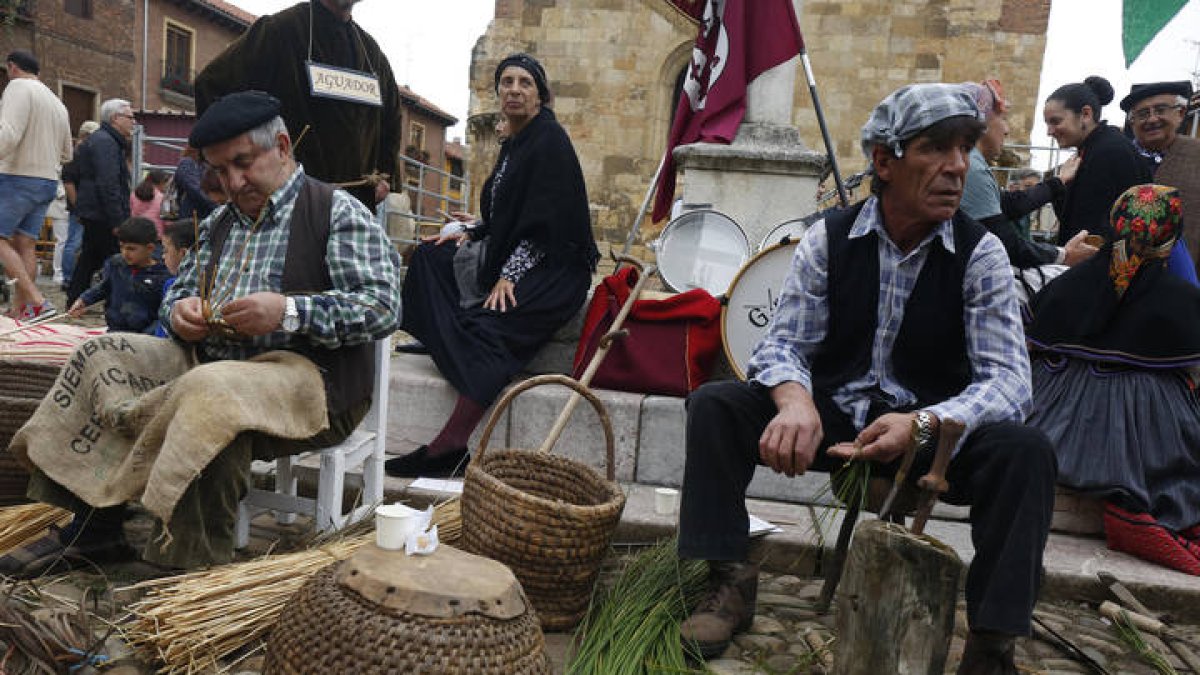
613 65
94 55
209 38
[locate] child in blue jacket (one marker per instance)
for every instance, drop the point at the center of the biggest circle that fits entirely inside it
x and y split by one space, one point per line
132 281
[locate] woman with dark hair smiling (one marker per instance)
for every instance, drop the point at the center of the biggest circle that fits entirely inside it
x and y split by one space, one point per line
1108 162
485 297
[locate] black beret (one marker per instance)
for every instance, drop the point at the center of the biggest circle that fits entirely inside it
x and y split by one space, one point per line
233 115
1140 91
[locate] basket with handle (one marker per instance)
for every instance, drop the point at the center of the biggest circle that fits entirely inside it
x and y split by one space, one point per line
547 517
23 385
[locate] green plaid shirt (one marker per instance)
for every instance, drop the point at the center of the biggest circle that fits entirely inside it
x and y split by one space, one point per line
363 305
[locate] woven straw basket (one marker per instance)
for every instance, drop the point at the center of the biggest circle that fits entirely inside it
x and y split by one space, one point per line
23 385
385 612
549 518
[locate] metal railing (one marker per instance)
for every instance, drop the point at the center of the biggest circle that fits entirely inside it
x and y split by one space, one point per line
414 179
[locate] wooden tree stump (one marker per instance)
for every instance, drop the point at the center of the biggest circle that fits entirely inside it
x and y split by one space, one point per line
896 603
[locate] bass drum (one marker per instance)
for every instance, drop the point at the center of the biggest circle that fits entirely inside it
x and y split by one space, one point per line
701 249
751 302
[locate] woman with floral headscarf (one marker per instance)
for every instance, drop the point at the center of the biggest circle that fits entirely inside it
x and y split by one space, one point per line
1117 343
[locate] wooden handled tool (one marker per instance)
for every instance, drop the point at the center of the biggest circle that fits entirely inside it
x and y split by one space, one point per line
933 484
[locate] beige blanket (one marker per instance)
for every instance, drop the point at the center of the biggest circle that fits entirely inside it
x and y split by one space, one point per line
129 418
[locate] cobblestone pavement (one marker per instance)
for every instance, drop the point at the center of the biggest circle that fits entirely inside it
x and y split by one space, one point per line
786 628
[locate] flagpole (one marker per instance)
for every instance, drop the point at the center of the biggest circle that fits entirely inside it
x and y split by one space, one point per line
843 196
637 222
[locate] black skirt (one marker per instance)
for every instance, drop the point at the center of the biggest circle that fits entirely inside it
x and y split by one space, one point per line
480 350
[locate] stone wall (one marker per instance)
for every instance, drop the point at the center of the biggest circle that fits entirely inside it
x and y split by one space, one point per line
613 65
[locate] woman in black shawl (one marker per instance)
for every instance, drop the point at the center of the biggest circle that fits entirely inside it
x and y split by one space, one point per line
483 301
1116 343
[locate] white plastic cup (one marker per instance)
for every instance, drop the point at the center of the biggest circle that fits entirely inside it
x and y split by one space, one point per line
666 500
393 524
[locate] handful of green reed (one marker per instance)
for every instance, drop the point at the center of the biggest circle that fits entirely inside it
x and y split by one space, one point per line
633 627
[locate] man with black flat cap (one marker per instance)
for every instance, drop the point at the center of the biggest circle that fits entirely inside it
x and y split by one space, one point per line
1155 112
290 263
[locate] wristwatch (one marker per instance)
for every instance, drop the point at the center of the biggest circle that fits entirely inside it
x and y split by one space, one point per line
291 316
922 430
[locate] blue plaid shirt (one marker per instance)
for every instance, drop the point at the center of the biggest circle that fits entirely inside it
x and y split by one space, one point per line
1000 387
363 305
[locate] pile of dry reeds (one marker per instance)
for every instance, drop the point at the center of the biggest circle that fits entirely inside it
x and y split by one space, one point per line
21 524
191 622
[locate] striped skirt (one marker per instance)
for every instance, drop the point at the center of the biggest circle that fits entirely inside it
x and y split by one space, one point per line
1129 435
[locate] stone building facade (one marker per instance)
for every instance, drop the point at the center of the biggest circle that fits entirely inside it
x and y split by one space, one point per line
615 65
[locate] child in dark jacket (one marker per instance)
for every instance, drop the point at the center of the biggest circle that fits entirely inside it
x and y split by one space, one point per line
132 282
179 236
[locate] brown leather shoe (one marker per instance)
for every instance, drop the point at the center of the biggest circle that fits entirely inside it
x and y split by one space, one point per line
728 608
988 654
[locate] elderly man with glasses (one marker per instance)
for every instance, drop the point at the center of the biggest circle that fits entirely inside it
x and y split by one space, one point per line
102 194
1155 113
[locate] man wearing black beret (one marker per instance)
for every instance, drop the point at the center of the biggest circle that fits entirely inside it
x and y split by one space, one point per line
290 263
282 54
1155 112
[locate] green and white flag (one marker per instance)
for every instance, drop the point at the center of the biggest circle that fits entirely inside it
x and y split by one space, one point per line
1142 20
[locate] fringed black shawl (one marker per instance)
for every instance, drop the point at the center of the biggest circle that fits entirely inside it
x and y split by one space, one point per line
536 192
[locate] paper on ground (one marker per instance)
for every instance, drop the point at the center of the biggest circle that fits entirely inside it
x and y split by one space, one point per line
759 527
437 485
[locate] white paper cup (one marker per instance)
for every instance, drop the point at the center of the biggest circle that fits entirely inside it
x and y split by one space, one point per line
666 500
393 524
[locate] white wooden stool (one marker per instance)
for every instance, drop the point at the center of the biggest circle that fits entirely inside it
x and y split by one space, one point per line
366 445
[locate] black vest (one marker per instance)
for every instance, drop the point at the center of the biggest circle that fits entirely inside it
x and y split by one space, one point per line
348 372
930 353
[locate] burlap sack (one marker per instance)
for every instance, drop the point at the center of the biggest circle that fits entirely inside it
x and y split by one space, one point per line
128 419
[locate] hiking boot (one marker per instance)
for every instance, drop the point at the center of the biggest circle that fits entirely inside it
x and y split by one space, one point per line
988 653
728 608
65 548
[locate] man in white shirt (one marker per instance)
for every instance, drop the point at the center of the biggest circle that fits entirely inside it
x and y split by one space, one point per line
35 139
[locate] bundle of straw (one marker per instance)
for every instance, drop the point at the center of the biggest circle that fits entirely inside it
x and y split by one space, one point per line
634 627
20 525
191 622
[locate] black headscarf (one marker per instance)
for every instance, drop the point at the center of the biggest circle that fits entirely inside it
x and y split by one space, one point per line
529 65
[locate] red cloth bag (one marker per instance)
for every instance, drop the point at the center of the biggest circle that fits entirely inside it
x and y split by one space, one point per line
671 346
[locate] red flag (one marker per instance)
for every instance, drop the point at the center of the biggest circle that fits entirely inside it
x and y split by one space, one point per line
738 40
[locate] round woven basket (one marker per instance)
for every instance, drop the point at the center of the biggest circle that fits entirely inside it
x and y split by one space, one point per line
363 616
23 385
549 518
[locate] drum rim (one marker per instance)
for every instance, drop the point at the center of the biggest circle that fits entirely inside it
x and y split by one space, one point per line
773 230
733 364
661 240
808 220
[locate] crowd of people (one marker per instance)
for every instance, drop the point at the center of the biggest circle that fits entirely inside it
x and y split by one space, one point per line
1084 378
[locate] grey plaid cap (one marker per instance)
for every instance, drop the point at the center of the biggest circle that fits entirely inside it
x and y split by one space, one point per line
911 109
